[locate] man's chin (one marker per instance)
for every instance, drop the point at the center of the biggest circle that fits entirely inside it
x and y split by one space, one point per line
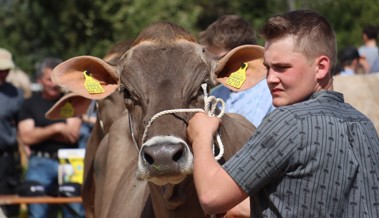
279 102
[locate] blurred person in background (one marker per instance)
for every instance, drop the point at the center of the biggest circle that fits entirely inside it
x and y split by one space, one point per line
254 101
375 66
21 80
349 60
45 137
369 50
11 100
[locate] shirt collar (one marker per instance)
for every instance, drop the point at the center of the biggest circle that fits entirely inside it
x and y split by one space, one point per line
328 94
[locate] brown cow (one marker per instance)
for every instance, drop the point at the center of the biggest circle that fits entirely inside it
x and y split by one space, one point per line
164 70
105 158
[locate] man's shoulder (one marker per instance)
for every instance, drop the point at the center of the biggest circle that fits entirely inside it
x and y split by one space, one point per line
8 86
10 90
220 91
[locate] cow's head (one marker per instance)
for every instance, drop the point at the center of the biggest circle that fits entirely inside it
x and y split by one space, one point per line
163 70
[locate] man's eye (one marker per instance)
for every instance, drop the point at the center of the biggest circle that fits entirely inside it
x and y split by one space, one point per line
280 68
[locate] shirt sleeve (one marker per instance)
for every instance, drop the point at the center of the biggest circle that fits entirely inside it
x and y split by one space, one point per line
266 154
25 111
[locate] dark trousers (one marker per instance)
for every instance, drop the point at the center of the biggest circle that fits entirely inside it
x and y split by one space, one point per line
10 173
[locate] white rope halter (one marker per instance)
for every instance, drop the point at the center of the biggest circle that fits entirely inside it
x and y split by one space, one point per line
210 105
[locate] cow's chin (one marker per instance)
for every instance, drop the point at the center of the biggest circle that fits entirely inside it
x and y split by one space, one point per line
164 179
165 172
167 180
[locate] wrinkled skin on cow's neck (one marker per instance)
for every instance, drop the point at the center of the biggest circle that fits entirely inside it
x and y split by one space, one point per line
176 200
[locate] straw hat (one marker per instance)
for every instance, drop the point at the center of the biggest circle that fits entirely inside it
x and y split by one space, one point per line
6 61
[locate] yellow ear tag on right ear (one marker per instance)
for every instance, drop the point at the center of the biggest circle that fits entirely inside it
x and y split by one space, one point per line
237 78
92 85
67 110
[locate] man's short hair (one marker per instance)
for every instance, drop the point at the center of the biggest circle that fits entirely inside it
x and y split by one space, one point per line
371 32
228 32
348 55
48 62
313 33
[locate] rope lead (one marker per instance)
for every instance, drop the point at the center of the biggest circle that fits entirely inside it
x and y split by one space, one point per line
210 106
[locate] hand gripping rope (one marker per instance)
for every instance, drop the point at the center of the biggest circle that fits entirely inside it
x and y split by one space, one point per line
210 106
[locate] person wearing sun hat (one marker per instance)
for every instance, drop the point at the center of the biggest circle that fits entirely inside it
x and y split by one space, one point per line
11 100
6 64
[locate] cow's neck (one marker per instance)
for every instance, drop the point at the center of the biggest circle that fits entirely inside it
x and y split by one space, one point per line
175 198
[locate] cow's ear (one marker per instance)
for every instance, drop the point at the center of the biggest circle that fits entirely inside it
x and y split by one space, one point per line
70 105
241 68
88 76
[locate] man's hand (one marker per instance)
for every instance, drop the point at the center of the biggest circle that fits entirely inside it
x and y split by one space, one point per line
241 210
201 125
68 132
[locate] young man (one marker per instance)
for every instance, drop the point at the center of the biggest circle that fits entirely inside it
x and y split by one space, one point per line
314 155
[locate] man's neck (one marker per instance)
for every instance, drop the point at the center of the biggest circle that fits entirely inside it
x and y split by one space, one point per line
50 97
371 43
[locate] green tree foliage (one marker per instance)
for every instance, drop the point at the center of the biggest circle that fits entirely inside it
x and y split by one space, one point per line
34 29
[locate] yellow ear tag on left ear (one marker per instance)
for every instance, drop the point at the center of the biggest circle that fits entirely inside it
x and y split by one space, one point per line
237 78
67 110
92 85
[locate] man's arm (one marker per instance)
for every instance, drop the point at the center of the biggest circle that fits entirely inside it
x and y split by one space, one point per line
217 191
65 132
71 131
242 210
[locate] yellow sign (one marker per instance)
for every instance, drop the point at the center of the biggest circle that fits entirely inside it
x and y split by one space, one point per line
71 165
237 78
92 85
67 110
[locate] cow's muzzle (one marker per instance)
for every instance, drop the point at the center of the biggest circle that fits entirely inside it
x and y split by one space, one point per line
164 159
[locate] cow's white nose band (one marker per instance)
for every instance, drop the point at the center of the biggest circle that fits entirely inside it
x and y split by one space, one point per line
210 105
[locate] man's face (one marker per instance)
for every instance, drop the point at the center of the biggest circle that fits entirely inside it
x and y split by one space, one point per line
50 89
290 76
3 75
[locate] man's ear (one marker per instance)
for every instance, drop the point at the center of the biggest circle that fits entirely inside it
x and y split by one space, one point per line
323 67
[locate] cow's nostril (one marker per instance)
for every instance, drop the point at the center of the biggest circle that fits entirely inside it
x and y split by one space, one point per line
177 155
163 154
148 159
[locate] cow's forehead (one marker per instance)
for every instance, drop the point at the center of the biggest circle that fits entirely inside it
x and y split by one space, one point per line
179 60
180 44
175 70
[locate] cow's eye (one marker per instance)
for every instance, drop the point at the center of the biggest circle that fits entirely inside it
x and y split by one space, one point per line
128 98
126 93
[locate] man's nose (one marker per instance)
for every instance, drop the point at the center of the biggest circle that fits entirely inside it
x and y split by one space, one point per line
272 77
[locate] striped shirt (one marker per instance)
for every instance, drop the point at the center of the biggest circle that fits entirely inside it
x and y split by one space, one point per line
317 158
